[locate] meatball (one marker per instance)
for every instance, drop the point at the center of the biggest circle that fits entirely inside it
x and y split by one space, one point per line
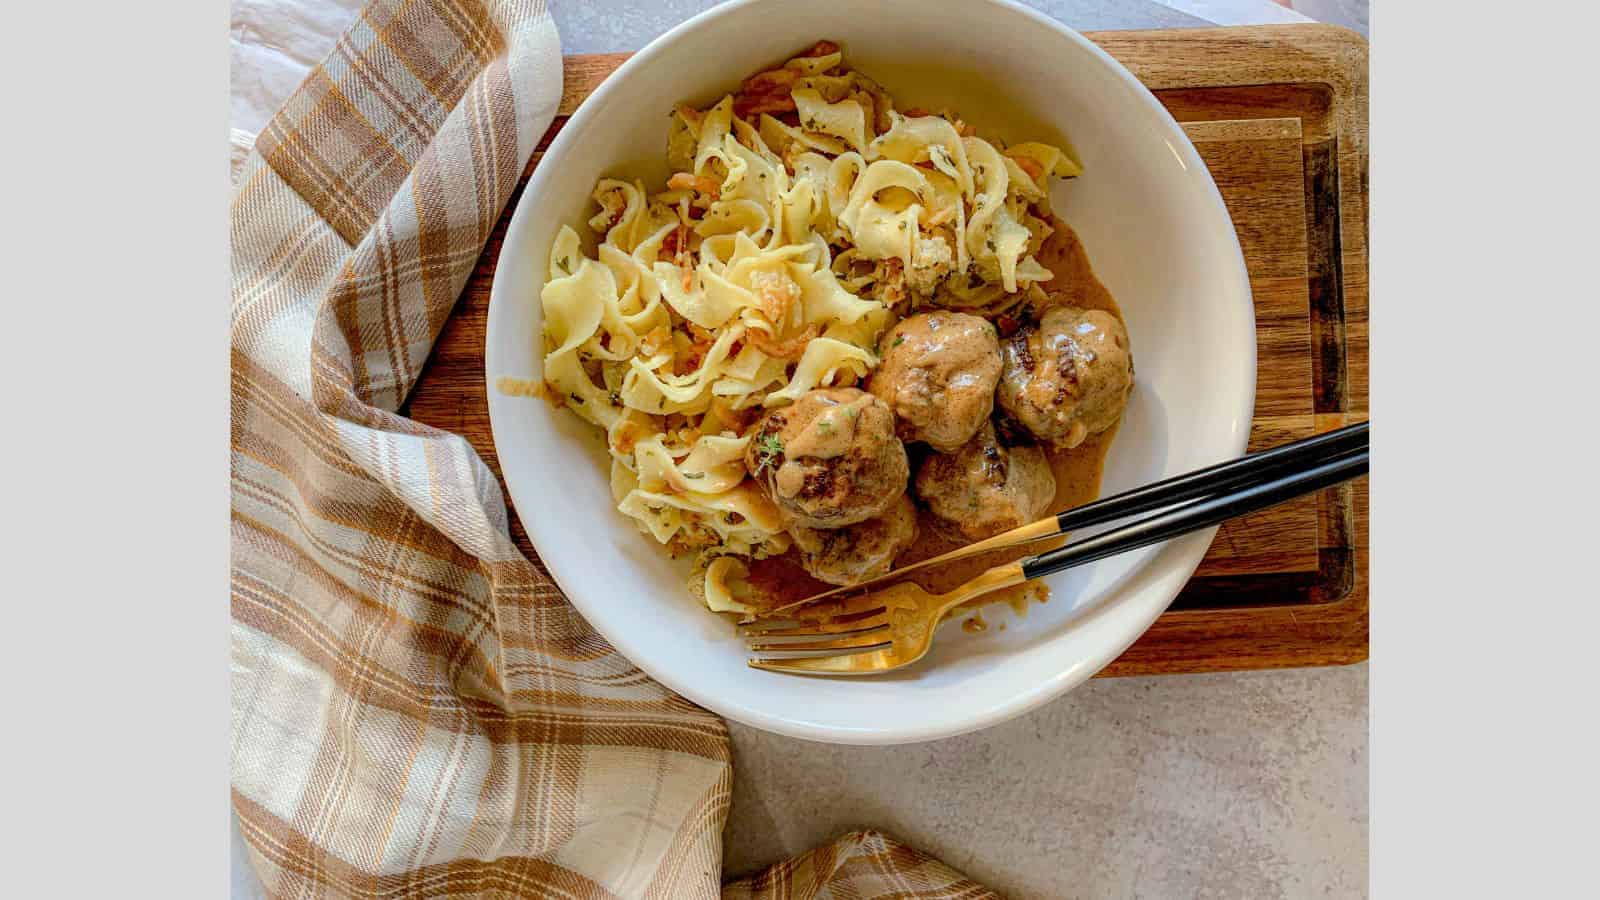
830 459
858 552
1067 377
986 487
938 374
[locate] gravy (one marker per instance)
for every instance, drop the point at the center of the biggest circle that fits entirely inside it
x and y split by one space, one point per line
781 580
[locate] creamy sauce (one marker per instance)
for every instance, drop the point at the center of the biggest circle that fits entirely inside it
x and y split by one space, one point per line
781 580
1077 472
831 433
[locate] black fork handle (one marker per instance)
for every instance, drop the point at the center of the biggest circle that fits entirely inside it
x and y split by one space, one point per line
1198 514
1217 478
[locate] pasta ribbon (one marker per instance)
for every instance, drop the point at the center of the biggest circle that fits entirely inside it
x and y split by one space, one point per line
803 216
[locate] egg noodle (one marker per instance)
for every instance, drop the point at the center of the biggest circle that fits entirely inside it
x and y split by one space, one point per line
805 216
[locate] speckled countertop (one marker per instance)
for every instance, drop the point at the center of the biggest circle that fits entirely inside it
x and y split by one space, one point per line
1248 784
1231 785
603 26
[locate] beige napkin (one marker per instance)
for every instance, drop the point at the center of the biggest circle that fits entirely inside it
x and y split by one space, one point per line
416 710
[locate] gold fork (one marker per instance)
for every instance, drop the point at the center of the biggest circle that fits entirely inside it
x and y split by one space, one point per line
874 632
892 626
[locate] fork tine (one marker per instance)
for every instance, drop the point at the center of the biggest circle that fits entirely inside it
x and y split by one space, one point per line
855 640
800 628
858 663
821 651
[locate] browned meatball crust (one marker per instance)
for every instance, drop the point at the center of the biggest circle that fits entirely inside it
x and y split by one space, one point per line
986 488
829 459
858 552
1067 377
938 374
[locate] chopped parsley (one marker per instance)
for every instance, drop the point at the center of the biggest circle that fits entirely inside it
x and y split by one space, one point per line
694 474
898 340
824 426
768 449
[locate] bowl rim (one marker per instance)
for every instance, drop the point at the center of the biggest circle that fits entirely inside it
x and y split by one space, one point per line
1171 573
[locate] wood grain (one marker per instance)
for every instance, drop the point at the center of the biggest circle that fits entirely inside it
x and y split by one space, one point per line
1317 74
1279 114
1256 164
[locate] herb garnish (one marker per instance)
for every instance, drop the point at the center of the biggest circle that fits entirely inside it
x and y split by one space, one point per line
898 340
768 448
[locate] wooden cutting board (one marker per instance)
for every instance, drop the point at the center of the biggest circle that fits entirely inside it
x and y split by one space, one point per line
1279 114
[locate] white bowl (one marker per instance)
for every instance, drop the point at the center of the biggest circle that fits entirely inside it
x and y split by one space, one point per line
1156 232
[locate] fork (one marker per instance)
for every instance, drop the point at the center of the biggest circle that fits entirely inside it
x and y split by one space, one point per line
893 626
1156 495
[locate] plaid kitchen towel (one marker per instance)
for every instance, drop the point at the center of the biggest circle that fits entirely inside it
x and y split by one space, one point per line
416 710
